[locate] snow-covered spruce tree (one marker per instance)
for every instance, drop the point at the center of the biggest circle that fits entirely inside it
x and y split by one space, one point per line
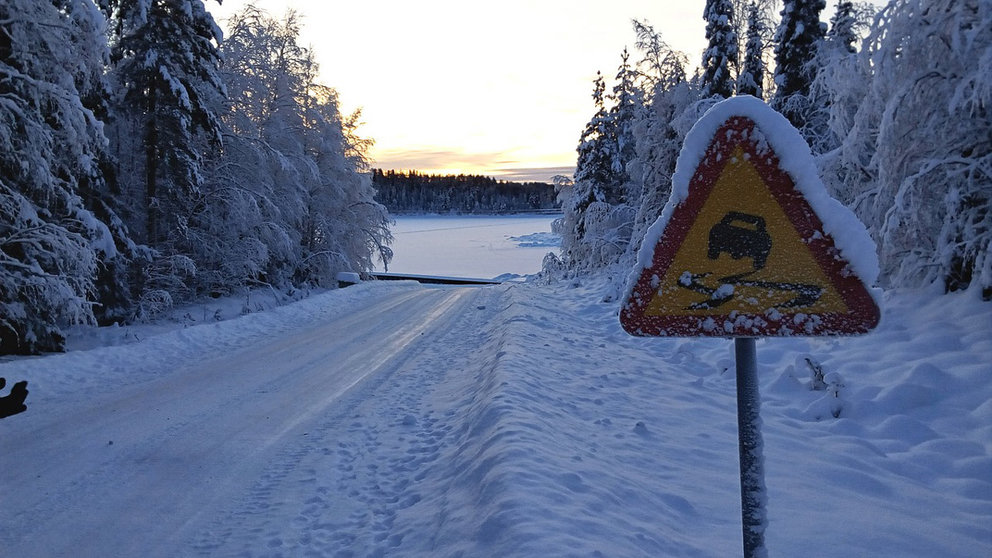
599 210
797 39
99 188
767 15
842 33
627 100
917 160
839 82
751 79
49 143
720 57
597 151
594 180
165 67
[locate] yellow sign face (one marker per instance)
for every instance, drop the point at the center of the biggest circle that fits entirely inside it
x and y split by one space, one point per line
743 254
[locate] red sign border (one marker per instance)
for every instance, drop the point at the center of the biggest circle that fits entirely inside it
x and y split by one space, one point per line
736 131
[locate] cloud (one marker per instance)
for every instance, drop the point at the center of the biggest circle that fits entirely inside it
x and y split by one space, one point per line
432 159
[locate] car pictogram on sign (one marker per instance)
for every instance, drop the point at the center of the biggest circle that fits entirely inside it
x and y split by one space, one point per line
740 241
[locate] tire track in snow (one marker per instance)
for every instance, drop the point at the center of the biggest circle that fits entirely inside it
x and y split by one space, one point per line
349 491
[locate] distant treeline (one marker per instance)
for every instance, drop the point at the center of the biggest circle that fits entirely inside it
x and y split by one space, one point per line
406 192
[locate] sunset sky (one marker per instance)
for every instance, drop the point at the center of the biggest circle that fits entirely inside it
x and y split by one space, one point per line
477 87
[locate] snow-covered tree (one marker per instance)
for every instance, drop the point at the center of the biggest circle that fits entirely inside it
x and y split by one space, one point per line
628 99
767 16
916 159
249 226
721 56
797 39
291 190
599 231
599 208
660 64
50 145
593 170
346 229
165 65
839 81
99 188
597 151
843 25
657 132
751 79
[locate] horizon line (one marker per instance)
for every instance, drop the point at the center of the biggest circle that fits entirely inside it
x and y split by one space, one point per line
515 174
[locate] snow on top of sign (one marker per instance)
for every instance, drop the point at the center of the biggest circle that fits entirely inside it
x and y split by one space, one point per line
849 234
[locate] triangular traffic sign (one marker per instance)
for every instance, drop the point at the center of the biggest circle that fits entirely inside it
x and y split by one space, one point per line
740 250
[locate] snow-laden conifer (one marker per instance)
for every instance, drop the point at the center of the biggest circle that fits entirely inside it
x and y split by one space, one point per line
165 63
751 79
721 55
839 81
50 145
599 208
797 39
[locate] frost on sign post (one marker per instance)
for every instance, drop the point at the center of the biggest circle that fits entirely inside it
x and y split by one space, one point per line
751 245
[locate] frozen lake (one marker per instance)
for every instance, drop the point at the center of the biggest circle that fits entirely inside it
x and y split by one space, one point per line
482 246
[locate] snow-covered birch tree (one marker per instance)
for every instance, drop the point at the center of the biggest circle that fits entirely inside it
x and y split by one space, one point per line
657 138
250 219
347 230
916 159
293 181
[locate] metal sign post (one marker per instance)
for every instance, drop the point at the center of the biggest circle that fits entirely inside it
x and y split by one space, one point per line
752 461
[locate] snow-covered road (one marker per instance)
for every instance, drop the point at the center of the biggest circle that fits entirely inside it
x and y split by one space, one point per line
178 449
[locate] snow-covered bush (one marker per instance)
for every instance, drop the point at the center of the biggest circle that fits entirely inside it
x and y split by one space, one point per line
915 162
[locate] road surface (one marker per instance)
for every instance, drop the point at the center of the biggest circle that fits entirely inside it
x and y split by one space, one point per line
179 451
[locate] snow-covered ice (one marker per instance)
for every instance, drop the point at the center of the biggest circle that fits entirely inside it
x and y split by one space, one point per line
392 419
482 246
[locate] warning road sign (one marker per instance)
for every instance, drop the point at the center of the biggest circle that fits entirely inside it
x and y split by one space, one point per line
745 255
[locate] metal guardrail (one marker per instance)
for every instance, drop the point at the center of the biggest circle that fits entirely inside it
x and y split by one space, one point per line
433 279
